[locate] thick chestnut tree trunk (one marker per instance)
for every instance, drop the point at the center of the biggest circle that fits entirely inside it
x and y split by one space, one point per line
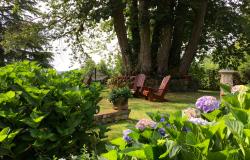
117 7
166 33
145 54
192 46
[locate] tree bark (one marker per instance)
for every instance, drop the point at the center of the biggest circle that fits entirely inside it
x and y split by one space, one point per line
192 46
144 55
134 27
164 50
2 63
166 9
175 52
119 26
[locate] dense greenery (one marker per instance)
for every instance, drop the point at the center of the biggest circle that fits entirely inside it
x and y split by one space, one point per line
206 73
43 113
23 35
221 133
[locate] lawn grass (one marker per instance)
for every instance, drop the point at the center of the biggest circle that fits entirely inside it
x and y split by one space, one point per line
139 108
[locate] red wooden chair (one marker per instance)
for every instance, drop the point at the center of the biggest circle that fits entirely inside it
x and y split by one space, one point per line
137 84
157 94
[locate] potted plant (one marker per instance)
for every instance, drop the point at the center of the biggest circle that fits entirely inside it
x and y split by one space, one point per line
119 98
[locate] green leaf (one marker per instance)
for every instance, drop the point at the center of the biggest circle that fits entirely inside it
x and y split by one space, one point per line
204 146
147 133
4 134
221 155
240 114
226 88
119 142
43 134
148 149
111 155
247 132
191 138
236 127
212 115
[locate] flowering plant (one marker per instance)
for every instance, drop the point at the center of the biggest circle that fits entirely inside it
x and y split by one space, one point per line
145 123
239 89
191 112
203 133
207 103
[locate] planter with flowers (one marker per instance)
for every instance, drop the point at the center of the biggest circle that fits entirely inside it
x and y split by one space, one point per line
212 130
119 98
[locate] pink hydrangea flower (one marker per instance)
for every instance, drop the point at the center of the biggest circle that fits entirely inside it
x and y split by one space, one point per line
191 112
238 88
145 123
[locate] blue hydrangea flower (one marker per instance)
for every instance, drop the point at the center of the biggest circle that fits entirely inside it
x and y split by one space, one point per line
186 129
207 103
162 131
162 119
125 135
168 125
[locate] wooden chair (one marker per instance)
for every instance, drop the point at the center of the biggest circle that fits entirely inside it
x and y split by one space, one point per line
138 84
157 94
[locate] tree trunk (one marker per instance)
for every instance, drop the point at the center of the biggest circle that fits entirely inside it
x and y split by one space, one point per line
144 55
195 38
2 63
164 50
166 9
134 28
175 52
155 44
119 26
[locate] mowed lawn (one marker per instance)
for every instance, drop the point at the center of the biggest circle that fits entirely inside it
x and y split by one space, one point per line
140 107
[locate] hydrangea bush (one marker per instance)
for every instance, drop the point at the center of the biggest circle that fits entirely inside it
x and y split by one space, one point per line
212 130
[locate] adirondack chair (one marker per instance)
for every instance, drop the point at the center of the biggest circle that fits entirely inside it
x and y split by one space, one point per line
137 84
157 94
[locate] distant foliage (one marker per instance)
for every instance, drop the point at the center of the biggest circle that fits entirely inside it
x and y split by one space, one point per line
206 74
43 113
244 69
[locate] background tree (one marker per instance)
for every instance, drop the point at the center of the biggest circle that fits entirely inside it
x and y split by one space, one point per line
159 37
22 34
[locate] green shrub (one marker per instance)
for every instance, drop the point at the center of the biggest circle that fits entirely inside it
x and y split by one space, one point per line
43 113
119 92
206 74
221 134
244 69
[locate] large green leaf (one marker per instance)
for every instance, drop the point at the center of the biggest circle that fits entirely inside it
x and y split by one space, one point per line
111 155
212 115
4 134
191 139
236 127
119 142
241 114
7 97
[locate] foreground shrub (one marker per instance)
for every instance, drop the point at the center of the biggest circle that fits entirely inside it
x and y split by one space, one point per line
207 132
42 113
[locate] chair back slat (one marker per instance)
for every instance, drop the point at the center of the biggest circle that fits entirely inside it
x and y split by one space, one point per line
139 81
164 85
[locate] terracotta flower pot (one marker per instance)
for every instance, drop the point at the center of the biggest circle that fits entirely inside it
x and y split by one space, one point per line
121 103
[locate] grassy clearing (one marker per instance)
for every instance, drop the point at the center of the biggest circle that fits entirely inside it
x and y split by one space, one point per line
139 108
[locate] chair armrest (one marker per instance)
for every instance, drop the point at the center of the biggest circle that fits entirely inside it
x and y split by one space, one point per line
149 89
